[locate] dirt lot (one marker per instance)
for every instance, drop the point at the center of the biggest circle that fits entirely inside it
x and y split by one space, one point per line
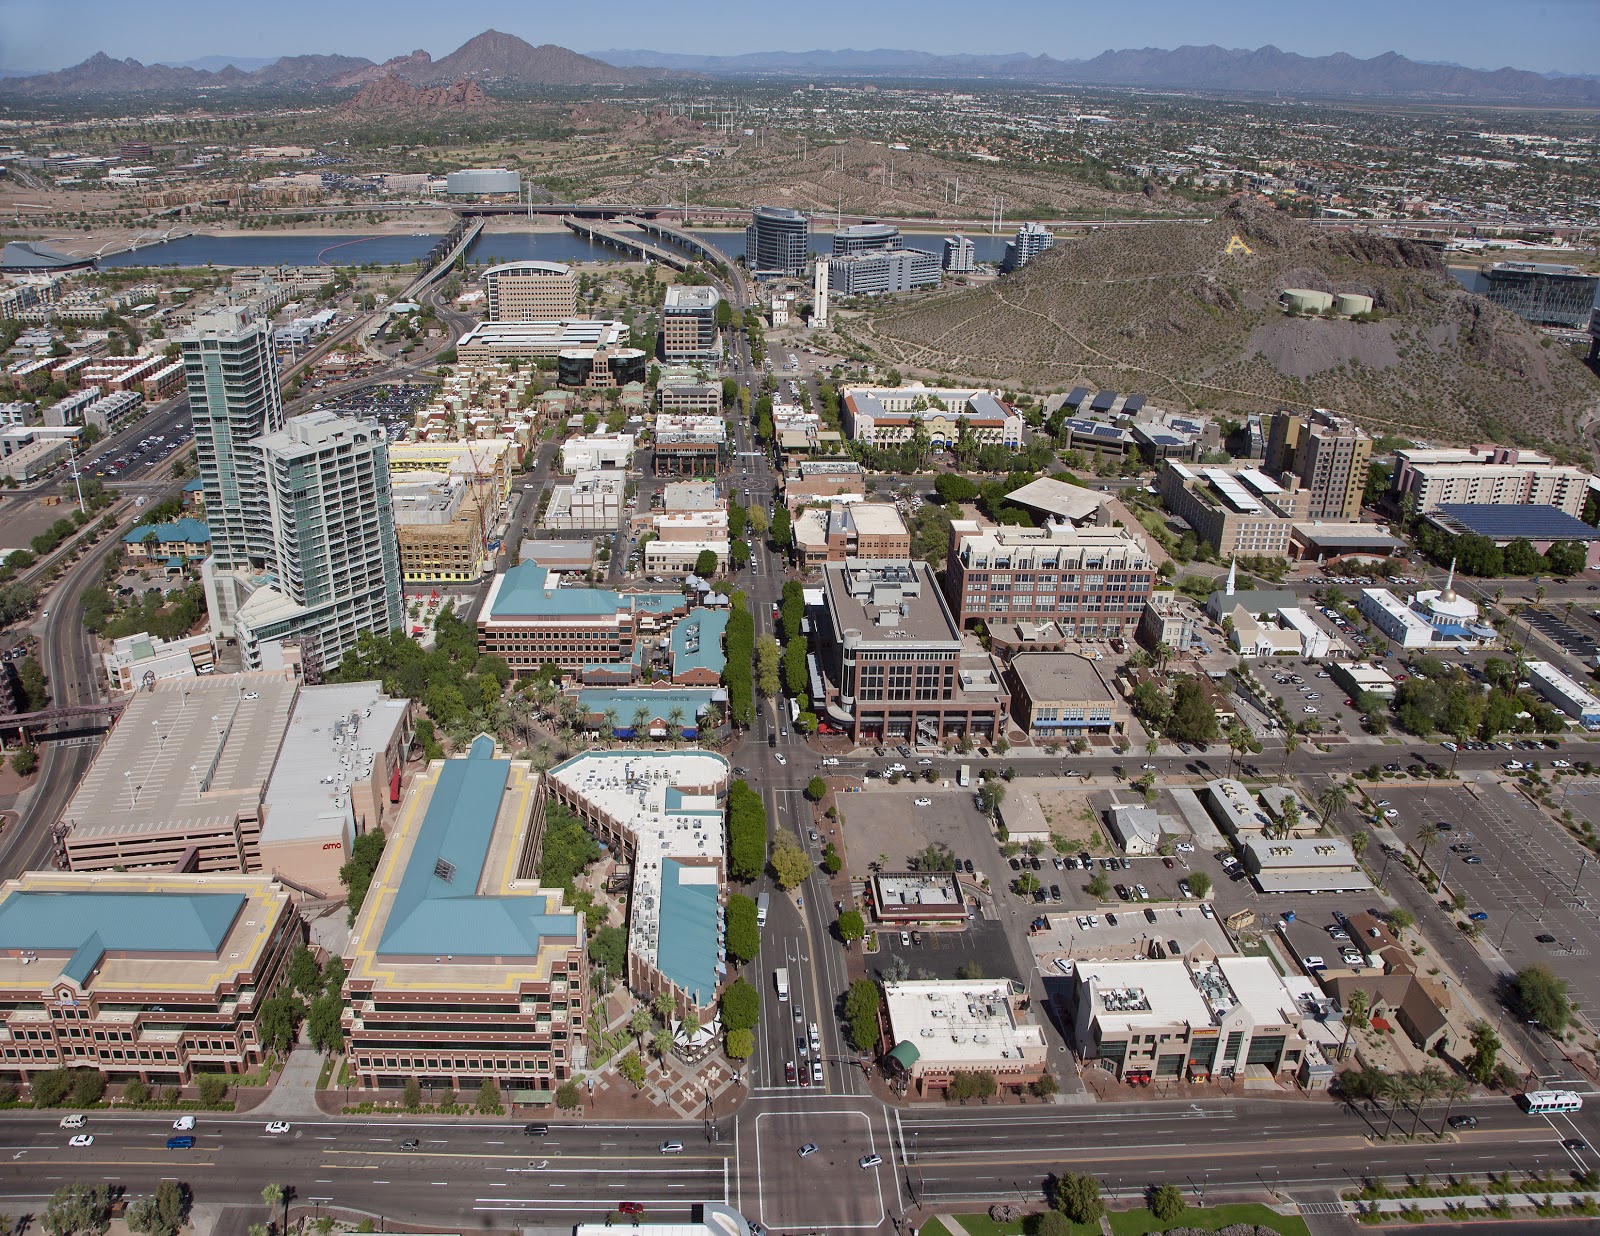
1070 814
886 821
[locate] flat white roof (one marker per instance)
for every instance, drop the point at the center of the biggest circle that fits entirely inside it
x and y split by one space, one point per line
959 1021
1130 994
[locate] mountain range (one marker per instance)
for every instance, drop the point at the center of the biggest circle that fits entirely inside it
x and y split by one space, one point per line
496 58
1218 69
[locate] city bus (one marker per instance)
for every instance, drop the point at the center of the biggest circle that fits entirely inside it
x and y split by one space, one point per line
1544 1102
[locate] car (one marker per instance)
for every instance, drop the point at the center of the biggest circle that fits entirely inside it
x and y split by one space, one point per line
1125 864
1512 766
1168 863
905 939
830 761
81 1139
1544 937
780 758
916 942
1055 892
966 865
181 1142
1184 890
1390 813
1338 933
1479 916
1144 893
1560 763
1472 860
1206 911
1574 1143
816 1072
1309 709
535 1130
924 763
923 802
813 835
1149 914
809 1149
277 1126
1184 847
1444 826
1016 863
630 1208
869 1161
671 1147
411 1143
1463 1122
75 1121
1122 892
183 1124
1391 767
1055 860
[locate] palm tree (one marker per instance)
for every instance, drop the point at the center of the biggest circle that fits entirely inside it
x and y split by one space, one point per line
608 723
1395 1089
1154 745
1163 654
1291 744
1455 1087
674 723
641 718
1333 801
1425 1086
640 1022
1357 1007
1238 743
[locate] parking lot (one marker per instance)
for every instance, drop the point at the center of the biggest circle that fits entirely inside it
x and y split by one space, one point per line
1563 634
394 407
1517 867
884 819
140 453
1309 693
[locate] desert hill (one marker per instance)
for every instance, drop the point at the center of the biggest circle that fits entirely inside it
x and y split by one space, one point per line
390 94
1183 314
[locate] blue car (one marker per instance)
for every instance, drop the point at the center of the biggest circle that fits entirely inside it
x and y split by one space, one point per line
1478 916
180 1143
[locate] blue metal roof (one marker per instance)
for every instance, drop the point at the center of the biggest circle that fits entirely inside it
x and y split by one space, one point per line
697 641
1076 396
689 946
1102 401
437 909
195 486
90 924
657 702
186 531
1536 523
526 592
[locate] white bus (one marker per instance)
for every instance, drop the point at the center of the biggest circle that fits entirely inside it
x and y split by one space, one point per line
1542 1102
781 977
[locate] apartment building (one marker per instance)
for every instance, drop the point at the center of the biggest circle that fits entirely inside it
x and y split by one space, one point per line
1198 1017
1092 582
531 292
689 323
883 417
1239 512
661 812
891 661
461 967
532 616
865 530
1329 453
439 528
1486 475
150 977
1032 239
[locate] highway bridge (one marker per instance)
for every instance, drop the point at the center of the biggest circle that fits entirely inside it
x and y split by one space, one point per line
456 242
618 240
687 241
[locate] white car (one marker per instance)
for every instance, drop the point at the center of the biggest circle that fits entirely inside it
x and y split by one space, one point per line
1389 813
277 1126
924 802
183 1124
1184 847
81 1139
830 761
1512 766
1206 911
1560 763
924 762
781 758
1309 708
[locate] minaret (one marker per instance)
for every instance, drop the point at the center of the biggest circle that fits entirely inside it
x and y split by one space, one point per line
819 294
1450 583
1233 577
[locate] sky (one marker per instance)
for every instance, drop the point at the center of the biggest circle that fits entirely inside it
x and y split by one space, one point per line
1542 35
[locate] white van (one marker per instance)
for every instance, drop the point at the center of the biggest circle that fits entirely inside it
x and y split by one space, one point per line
75 1121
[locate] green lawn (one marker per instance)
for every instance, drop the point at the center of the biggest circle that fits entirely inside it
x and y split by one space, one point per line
1140 1222
983 1225
933 1228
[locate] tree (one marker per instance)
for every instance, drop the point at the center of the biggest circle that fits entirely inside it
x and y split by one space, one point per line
135 1093
861 1005
213 1088
1333 801
1199 884
852 926
790 863
1078 1197
1425 1086
608 948
781 529
1052 1223
705 563
744 933
741 1005
816 788
1357 1007
75 1208
324 1022
88 1087
661 1044
768 659
357 871
639 1023
1402 921
1485 1052
1454 1087
278 1022
739 1044
568 1096
161 1215
1194 719
51 1089
1098 887
411 1096
1543 997
305 975
1166 1202
24 760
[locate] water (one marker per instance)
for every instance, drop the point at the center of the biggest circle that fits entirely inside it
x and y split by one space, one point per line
302 249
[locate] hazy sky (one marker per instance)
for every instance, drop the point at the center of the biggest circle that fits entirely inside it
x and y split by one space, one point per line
1542 35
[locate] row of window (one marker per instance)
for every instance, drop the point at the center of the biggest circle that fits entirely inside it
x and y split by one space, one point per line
469 1064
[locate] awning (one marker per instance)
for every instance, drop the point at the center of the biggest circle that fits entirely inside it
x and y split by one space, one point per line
532 1096
905 1054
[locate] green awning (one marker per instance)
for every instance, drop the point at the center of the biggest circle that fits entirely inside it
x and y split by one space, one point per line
905 1054
532 1096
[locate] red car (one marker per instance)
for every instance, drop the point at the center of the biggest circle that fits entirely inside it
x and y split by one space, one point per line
788 1072
631 1208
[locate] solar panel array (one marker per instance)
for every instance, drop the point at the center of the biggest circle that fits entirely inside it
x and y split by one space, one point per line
1536 523
1260 481
1236 494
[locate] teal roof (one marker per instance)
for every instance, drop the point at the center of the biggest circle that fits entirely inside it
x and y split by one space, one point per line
657 701
526 592
194 486
184 531
697 641
688 948
437 909
90 924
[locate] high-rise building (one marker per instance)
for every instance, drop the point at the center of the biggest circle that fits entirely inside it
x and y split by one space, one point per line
1329 453
960 255
819 294
1032 240
332 519
531 292
778 239
866 238
869 272
689 323
233 400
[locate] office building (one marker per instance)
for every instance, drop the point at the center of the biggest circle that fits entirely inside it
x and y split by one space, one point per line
680 398
1092 582
439 528
461 968
661 812
1543 293
494 341
482 182
819 294
1397 620
1330 454
866 238
866 530
941 1027
1239 512
878 272
1170 620
531 292
1565 692
487 465
1063 695
533 616
1541 526
692 445
337 559
1194 1018
1032 240
601 368
778 240
823 480
597 452
884 416
591 503
689 323
1486 475
1304 865
891 664
143 976
960 255
181 777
